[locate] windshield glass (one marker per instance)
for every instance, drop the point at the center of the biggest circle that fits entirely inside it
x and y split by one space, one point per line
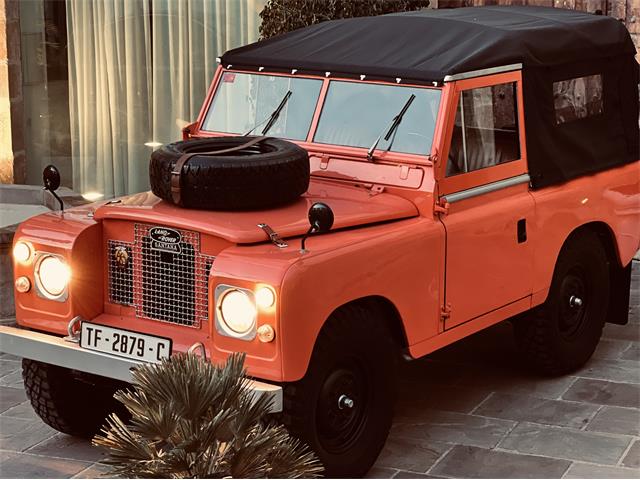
245 101
355 114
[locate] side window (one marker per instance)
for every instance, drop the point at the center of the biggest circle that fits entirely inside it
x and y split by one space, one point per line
486 129
577 98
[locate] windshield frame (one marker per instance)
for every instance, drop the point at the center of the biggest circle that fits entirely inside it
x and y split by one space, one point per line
356 153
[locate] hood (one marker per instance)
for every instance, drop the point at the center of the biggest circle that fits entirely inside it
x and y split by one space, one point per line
352 206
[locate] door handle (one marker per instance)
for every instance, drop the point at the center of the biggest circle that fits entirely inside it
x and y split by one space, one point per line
522 230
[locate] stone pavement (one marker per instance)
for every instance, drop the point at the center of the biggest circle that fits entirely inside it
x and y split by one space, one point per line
469 410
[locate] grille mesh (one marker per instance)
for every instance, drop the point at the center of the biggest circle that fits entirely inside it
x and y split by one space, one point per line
163 286
120 277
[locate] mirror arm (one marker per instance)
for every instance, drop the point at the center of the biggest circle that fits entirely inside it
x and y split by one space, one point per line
304 238
56 197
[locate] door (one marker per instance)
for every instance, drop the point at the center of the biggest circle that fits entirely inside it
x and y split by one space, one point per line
490 213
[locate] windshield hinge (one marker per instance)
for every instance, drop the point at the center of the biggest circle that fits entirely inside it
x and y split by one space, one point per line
441 207
375 189
273 236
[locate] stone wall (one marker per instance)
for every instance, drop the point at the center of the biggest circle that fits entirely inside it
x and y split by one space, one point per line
12 153
627 11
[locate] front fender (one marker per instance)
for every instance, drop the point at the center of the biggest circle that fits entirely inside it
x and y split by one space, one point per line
401 261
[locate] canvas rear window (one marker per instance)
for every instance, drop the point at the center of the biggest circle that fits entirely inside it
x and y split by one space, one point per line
577 98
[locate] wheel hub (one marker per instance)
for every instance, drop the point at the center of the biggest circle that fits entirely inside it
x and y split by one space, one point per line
341 412
574 302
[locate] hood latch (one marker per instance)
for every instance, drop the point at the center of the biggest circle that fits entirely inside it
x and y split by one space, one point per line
273 236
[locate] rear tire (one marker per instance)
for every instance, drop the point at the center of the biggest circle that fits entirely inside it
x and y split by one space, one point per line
67 403
559 336
343 406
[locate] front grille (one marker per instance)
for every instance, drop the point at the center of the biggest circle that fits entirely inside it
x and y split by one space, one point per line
167 286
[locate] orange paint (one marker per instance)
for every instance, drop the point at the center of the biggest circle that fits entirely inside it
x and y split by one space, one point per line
391 240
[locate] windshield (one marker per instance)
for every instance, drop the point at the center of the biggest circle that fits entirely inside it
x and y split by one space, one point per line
356 114
245 102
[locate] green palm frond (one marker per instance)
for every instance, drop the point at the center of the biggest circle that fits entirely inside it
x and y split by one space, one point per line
193 419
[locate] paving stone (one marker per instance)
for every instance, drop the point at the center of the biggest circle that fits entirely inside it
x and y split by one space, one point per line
7 356
624 371
381 472
407 474
97 470
66 446
515 380
539 410
564 443
630 331
10 397
632 458
604 393
412 396
411 454
450 427
17 434
473 462
632 353
625 421
611 349
9 366
23 410
586 470
21 465
13 379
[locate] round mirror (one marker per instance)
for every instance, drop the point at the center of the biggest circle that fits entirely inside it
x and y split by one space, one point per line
321 217
51 178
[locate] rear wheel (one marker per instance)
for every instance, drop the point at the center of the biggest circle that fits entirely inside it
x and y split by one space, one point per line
72 404
343 407
561 335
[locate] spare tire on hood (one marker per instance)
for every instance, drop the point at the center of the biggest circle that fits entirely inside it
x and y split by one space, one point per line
229 173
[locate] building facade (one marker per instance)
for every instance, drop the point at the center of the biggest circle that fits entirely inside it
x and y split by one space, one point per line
94 86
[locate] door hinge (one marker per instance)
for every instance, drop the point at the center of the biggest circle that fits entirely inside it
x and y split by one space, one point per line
445 312
441 207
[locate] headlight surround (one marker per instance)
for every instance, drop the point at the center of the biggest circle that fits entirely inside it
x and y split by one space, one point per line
236 312
52 276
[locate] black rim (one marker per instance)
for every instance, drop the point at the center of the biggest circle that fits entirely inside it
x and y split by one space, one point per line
342 407
574 303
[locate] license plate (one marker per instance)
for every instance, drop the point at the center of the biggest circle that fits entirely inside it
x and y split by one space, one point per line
124 343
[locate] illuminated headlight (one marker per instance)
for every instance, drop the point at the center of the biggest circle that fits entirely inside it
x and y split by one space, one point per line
52 277
236 312
22 252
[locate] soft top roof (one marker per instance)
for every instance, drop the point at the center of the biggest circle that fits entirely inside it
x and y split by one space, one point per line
427 45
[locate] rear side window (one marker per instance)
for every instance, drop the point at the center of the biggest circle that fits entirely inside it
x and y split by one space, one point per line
577 98
486 129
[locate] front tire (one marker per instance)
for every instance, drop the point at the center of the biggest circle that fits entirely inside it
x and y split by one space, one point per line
343 407
559 336
71 405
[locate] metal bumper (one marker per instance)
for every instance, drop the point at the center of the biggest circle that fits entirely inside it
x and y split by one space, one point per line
57 351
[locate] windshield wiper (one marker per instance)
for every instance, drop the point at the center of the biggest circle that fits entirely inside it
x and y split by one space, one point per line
395 123
273 118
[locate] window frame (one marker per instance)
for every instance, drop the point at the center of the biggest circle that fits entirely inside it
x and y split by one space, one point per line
475 178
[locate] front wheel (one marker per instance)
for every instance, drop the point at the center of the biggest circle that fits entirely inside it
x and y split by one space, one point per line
561 335
343 407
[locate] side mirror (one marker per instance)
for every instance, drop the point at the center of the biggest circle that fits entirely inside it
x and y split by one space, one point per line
51 181
321 220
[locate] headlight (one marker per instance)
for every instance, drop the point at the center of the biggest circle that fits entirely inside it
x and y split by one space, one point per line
52 277
236 312
22 252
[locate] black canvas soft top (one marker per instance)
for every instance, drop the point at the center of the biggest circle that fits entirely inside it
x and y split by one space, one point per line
427 45
552 45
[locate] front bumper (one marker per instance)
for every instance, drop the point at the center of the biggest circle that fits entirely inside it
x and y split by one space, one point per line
57 351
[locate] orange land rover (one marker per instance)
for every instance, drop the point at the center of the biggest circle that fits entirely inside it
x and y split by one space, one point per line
353 193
